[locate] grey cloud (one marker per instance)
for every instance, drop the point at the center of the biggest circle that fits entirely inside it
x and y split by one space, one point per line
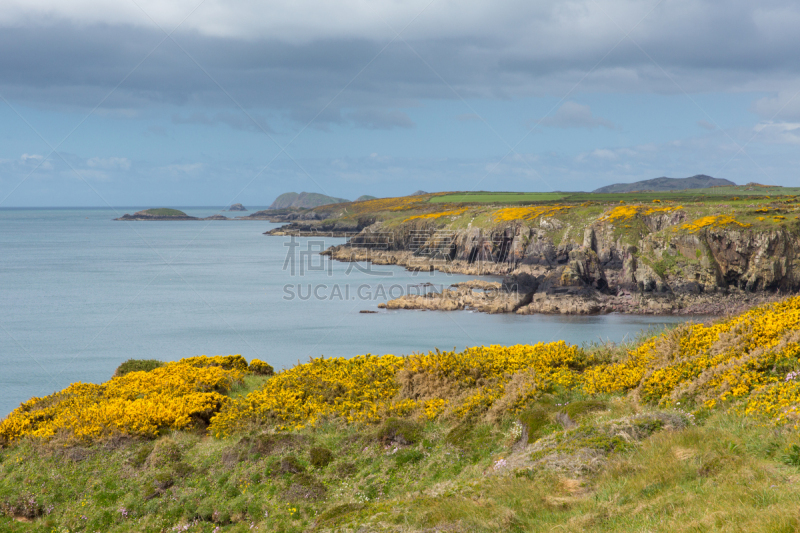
783 106
706 125
779 133
519 49
574 115
379 119
238 121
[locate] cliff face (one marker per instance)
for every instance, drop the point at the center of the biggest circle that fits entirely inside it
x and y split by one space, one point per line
553 266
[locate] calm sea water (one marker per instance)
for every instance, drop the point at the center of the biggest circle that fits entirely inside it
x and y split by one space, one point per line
81 293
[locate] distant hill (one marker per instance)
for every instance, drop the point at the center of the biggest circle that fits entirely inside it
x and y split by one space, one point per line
418 193
304 199
701 181
366 197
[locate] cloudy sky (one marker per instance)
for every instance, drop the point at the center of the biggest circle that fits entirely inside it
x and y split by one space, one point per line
208 102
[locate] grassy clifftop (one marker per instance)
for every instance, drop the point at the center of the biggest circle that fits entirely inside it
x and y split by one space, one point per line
759 206
692 429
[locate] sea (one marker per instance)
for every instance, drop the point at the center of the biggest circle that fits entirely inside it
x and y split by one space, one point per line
80 293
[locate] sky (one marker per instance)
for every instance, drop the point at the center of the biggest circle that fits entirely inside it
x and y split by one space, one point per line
211 102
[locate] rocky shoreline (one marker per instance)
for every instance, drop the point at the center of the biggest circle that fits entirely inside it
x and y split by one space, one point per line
524 291
461 298
313 228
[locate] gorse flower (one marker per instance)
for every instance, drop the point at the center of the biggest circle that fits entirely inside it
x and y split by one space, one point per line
447 213
625 212
751 361
138 403
527 213
713 221
369 388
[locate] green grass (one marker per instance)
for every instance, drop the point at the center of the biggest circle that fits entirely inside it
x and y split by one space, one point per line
249 383
725 474
480 197
165 212
710 195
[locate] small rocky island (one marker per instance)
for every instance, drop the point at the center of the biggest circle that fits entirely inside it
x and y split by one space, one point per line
237 207
164 213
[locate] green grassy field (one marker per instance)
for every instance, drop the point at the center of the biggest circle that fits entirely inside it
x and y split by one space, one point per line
724 473
694 195
480 197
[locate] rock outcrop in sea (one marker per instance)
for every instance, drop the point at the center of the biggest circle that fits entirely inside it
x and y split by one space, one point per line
160 213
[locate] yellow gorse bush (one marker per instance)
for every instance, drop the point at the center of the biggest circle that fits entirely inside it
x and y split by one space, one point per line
625 212
139 403
228 362
356 389
368 388
747 358
401 203
508 214
439 214
555 362
750 362
713 221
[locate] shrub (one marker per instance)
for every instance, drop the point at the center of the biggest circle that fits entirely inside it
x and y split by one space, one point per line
320 456
227 362
172 396
25 506
205 511
458 436
267 444
261 368
137 365
358 389
577 409
165 452
291 465
345 470
139 457
396 430
304 487
536 421
254 510
792 458
164 480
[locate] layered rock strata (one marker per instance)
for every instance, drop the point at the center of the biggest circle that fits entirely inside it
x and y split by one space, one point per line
550 266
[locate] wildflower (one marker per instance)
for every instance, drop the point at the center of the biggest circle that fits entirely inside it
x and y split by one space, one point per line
500 464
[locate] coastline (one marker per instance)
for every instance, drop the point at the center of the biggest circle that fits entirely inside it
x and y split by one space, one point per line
508 297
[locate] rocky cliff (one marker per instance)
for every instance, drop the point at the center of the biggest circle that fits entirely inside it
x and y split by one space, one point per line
645 263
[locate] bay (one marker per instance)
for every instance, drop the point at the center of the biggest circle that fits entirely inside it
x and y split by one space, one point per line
80 293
